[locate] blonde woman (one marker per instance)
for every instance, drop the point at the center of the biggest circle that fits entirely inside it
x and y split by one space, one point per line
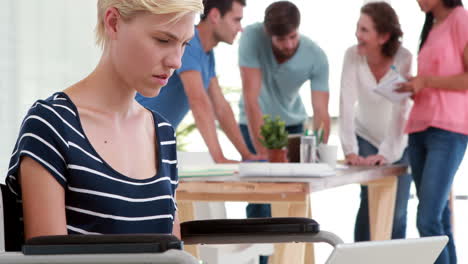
90 159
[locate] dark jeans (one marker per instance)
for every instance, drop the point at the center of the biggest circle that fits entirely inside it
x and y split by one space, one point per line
435 155
263 210
361 229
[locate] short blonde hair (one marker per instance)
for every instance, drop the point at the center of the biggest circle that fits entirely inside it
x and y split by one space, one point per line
129 9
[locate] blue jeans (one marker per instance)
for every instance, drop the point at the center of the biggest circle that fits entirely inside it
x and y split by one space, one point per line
361 229
435 155
262 210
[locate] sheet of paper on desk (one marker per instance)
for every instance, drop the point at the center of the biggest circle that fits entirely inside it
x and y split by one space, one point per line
387 89
285 170
208 170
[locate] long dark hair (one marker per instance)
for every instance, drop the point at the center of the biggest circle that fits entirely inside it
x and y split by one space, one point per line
428 23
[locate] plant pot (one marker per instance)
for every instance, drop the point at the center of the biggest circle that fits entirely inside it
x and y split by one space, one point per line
278 155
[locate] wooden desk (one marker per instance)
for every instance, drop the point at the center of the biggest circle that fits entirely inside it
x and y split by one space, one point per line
291 197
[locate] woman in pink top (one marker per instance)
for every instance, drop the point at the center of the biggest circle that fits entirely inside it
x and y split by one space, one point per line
438 123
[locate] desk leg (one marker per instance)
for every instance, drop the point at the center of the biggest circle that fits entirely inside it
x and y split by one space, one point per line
382 195
186 212
290 252
309 254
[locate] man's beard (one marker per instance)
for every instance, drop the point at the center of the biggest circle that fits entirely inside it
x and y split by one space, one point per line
284 55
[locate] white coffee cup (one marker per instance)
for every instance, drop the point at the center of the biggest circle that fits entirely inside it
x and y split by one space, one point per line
328 154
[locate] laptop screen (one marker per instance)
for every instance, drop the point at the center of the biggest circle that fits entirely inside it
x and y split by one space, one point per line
401 251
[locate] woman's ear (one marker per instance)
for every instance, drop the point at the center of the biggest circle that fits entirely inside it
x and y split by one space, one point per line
383 38
111 19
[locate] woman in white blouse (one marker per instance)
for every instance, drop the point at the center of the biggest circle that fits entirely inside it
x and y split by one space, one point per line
371 127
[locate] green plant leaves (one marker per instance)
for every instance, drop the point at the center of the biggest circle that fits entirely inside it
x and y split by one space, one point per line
273 132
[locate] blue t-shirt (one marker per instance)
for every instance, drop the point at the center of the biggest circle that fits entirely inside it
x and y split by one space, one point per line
172 102
279 93
98 199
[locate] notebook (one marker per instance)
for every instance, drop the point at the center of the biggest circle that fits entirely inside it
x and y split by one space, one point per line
266 169
208 170
200 164
402 251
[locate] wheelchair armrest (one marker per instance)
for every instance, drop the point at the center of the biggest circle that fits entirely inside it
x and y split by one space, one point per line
101 244
255 230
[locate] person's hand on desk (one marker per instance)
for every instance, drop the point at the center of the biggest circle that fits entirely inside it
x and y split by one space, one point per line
253 157
354 159
375 160
222 159
262 152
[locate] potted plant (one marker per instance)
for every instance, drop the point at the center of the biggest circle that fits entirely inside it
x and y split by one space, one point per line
274 138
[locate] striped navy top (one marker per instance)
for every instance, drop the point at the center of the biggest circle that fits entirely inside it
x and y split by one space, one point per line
98 199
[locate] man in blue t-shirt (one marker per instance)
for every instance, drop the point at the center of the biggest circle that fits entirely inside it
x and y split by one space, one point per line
194 86
275 61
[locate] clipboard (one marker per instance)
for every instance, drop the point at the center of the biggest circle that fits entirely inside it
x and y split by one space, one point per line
387 88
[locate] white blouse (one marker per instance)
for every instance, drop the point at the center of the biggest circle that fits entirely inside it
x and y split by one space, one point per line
368 114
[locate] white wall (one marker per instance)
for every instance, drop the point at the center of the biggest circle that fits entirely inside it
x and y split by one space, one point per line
49 46
7 81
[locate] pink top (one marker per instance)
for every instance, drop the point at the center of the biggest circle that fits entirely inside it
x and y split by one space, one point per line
442 55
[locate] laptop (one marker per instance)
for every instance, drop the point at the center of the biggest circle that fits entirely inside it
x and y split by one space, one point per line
402 251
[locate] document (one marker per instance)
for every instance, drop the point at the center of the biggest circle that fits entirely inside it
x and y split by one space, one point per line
208 170
387 89
200 164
